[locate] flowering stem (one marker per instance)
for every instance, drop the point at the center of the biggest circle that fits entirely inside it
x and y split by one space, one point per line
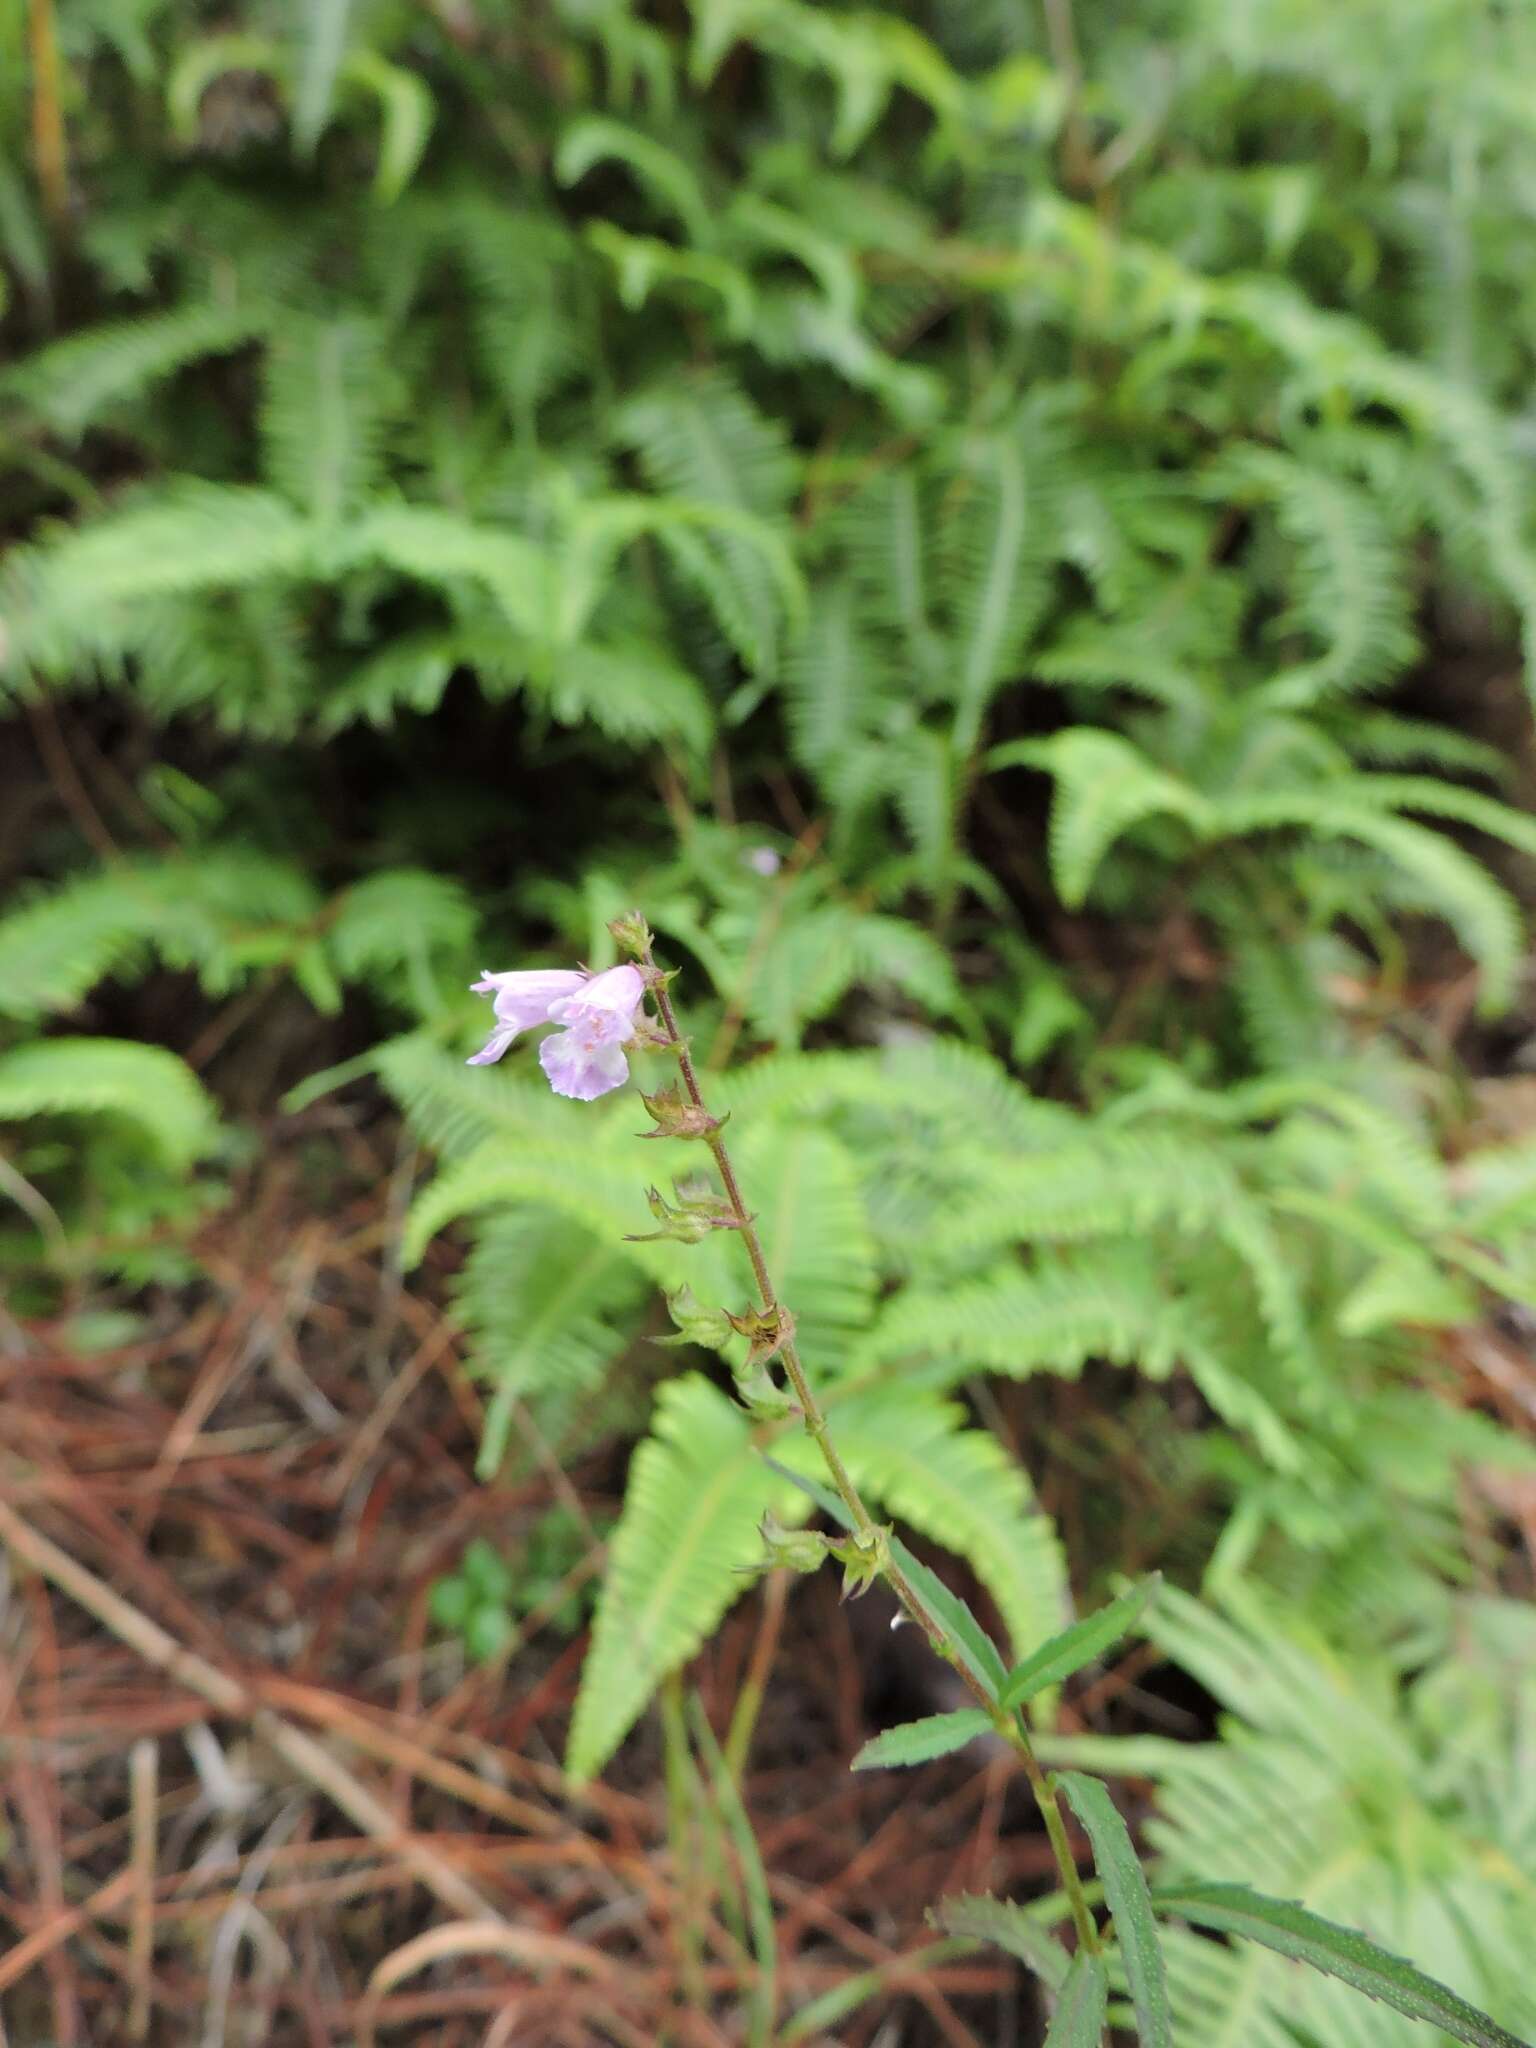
1011 1726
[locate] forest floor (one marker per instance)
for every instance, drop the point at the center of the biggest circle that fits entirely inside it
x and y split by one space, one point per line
259 1795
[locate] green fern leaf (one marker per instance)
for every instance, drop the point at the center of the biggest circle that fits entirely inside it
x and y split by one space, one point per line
437 547
697 1492
959 1487
631 691
1104 786
701 440
111 1076
184 537
550 1308
73 383
805 1190
323 413
999 584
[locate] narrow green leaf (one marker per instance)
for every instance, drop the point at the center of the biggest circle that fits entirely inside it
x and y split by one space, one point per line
322 43
1125 1889
754 1879
973 1647
918 1742
1008 1927
847 1996
1291 1930
1079 2018
823 1496
1078 1645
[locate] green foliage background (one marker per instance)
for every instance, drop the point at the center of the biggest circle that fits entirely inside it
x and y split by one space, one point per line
1071 507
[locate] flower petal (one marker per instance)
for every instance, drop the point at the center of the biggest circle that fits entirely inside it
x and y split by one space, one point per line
602 1009
524 995
581 1070
493 1047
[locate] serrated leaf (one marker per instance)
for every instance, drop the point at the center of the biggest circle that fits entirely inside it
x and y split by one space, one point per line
1078 2021
1008 1927
1125 1890
1078 1645
973 1647
1291 1930
919 1742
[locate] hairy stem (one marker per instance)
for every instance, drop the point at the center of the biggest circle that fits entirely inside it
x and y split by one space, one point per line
1011 1726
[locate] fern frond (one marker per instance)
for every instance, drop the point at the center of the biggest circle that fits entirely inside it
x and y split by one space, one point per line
1349 593
1097 655
145 1084
1483 915
70 594
550 1309
437 547
409 673
924 1079
575 1179
525 309
701 440
1112 1302
450 1108
811 962
815 1233
959 1487
632 691
323 413
1104 787
1289 1801
836 680
206 912
72 384
397 927
697 1492
998 558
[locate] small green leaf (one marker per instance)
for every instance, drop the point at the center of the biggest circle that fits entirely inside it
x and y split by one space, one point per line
1079 2017
451 1601
1008 1927
918 1742
1291 1930
1078 1645
488 1632
486 1570
1125 1889
973 1647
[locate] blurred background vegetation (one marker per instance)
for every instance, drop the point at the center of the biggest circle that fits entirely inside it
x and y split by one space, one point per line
1012 537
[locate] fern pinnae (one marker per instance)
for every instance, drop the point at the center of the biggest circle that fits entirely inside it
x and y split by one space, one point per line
696 1493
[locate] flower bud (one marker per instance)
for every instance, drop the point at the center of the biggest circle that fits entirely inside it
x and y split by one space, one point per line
675 1118
767 1331
699 1211
757 1393
694 1323
862 1554
801 1550
631 934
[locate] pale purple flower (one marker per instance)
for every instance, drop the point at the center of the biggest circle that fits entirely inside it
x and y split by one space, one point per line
763 860
522 1000
584 1059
